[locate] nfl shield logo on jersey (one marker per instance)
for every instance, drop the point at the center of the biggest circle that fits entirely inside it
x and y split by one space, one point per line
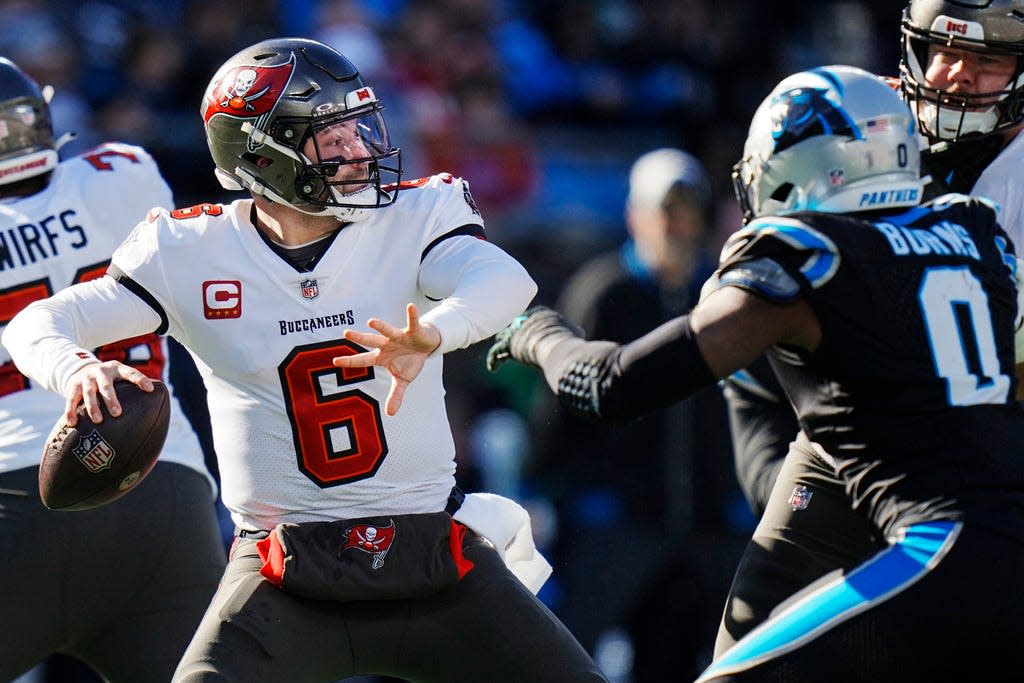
93 452
800 497
309 289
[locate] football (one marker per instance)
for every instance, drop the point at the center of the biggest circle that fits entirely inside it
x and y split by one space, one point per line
90 464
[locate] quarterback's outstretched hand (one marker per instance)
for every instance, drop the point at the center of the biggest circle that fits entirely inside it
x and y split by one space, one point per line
520 338
402 352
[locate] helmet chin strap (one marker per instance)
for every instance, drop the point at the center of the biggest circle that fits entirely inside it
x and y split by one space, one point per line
946 123
367 196
64 139
248 181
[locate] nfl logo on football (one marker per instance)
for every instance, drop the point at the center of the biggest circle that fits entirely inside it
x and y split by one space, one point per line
309 289
93 452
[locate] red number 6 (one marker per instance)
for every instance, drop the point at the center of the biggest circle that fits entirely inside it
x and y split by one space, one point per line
338 433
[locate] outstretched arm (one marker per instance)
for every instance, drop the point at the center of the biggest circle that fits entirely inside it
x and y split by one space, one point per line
479 287
725 332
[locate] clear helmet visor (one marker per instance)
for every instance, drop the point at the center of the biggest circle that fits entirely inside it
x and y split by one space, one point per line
26 140
345 153
351 163
24 127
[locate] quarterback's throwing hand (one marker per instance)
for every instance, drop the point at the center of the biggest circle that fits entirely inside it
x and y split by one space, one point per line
402 352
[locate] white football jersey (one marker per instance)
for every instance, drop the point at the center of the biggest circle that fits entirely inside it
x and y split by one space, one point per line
1003 182
65 235
298 439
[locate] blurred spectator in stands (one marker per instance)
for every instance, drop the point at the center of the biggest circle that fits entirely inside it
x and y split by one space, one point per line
646 487
483 141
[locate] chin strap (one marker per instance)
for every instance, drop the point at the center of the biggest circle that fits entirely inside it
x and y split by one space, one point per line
64 139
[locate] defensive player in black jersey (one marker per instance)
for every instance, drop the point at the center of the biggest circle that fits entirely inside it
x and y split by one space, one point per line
890 324
962 71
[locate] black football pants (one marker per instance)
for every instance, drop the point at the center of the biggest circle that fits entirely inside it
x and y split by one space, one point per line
487 628
808 529
120 587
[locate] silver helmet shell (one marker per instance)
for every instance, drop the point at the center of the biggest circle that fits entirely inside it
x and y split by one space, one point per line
835 139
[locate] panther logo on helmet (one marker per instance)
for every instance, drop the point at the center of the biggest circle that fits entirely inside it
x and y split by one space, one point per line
836 138
805 112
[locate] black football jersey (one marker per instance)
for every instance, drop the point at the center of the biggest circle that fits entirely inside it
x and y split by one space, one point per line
911 390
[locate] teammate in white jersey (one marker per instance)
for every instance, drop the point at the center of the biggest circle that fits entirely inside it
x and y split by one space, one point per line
260 291
106 586
963 73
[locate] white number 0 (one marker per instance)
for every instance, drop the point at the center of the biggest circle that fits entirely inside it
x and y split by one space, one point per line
955 309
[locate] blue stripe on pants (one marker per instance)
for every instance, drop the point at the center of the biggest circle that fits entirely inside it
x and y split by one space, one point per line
873 582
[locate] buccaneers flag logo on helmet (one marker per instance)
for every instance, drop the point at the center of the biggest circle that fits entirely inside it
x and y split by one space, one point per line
248 91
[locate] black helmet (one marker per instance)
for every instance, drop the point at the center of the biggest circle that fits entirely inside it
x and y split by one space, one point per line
26 133
266 112
992 26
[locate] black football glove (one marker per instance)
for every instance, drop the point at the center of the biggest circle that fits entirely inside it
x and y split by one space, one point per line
501 351
519 339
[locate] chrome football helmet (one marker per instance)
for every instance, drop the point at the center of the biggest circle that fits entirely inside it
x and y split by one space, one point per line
271 112
834 138
27 148
989 26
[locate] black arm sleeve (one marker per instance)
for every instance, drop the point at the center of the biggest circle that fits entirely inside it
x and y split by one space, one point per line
609 382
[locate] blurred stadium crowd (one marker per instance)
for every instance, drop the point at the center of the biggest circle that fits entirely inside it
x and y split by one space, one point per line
542 106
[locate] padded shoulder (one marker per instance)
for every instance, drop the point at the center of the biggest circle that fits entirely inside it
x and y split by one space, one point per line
778 258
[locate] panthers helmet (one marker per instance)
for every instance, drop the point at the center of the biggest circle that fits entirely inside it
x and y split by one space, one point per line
27 148
263 111
834 138
991 26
